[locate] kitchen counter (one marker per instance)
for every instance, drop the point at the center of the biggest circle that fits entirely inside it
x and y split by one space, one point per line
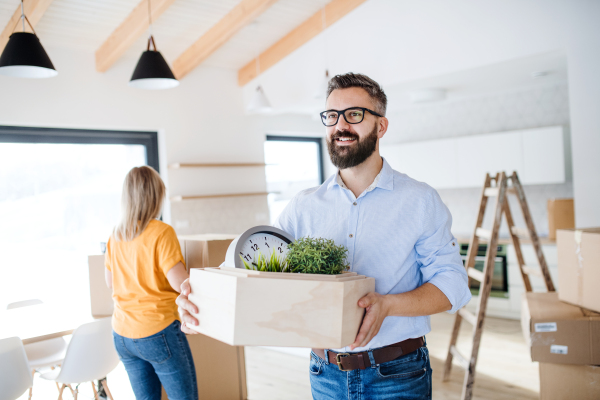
544 241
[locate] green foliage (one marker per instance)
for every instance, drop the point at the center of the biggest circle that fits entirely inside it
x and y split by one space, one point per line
261 263
316 256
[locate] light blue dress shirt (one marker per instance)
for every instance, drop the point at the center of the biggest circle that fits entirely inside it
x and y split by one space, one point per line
397 231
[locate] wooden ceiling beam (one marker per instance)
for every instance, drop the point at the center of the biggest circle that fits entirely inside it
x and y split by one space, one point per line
240 16
34 10
128 32
310 28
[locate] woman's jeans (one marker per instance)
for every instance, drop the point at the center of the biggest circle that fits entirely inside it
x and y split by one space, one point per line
407 377
163 358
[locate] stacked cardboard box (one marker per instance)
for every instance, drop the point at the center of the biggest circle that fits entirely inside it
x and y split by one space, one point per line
561 215
563 329
206 250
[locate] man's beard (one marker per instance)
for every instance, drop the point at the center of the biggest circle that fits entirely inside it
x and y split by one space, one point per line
350 156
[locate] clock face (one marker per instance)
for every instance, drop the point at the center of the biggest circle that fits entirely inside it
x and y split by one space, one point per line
263 243
264 240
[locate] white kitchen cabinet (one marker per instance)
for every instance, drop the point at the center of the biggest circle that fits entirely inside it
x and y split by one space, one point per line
545 160
433 162
536 155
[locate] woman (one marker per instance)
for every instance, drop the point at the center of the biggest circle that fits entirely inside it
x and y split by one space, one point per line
144 268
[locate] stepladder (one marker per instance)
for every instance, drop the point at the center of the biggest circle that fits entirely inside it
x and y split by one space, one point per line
497 188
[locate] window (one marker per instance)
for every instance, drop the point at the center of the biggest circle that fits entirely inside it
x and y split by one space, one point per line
293 164
60 193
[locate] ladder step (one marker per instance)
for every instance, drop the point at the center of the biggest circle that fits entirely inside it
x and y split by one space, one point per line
531 270
522 233
483 234
468 316
459 357
475 274
493 191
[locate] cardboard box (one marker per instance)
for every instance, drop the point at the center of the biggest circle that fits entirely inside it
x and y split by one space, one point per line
220 369
204 251
559 382
100 295
241 307
561 215
558 332
579 267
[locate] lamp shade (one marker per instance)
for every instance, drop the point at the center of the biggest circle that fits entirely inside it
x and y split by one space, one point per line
259 102
153 72
25 57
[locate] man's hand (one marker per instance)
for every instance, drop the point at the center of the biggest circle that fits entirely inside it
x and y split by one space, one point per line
185 307
377 309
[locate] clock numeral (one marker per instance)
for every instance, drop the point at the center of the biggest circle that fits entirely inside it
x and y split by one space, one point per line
254 247
280 251
266 244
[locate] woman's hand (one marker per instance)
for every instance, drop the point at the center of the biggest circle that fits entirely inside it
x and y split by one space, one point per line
185 307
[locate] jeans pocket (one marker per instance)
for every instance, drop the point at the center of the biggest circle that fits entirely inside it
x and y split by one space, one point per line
153 349
410 367
316 366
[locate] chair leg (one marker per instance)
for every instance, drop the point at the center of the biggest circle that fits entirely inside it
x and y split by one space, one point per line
95 391
31 388
57 385
60 391
108 393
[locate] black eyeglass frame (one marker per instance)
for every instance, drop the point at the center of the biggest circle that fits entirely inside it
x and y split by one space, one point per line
343 112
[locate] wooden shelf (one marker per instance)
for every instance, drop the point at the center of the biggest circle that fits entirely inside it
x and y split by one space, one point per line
214 165
215 196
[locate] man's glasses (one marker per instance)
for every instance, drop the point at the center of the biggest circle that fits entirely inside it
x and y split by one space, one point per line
353 115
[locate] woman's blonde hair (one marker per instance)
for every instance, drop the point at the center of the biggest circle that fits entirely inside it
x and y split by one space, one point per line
141 202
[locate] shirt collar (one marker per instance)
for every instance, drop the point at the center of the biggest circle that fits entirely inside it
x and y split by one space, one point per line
383 180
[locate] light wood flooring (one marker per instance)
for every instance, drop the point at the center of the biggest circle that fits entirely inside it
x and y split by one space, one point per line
504 370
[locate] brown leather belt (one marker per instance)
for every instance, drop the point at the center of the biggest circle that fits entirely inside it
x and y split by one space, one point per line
352 361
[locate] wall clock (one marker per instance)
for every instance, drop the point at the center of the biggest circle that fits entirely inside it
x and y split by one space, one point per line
262 239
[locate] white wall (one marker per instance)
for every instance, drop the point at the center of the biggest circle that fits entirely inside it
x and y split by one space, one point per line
581 22
202 120
400 41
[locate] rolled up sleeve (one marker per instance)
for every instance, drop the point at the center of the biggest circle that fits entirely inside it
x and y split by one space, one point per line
438 254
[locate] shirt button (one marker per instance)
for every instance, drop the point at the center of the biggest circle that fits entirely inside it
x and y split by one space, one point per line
351 235
354 203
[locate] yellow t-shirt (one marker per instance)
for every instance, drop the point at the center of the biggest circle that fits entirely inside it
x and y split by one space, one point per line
144 299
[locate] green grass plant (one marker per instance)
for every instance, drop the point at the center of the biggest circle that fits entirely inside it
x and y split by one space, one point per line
264 264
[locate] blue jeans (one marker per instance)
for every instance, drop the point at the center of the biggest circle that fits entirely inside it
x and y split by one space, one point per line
164 357
406 377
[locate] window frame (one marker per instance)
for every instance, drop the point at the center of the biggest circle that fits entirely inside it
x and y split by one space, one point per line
26 134
317 140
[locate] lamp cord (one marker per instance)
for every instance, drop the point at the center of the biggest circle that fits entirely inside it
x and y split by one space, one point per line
24 18
151 37
22 15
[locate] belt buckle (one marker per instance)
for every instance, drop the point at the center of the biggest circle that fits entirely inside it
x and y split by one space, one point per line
338 359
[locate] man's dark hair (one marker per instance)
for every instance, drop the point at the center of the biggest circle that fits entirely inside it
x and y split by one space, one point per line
350 80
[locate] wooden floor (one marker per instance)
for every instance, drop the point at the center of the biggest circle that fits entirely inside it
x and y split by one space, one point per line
504 370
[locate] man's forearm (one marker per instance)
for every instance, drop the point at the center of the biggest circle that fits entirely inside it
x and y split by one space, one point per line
424 300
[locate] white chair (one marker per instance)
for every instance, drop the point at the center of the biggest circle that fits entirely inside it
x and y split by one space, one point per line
46 353
91 355
15 375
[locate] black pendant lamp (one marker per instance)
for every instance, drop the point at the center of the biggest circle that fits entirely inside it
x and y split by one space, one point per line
152 71
24 55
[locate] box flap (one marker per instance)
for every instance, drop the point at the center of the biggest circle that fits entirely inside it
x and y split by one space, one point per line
546 306
584 230
209 236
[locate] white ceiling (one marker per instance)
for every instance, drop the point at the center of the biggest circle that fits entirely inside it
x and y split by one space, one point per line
468 47
83 25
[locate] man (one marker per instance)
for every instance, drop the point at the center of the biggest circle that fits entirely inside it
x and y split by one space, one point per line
397 230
